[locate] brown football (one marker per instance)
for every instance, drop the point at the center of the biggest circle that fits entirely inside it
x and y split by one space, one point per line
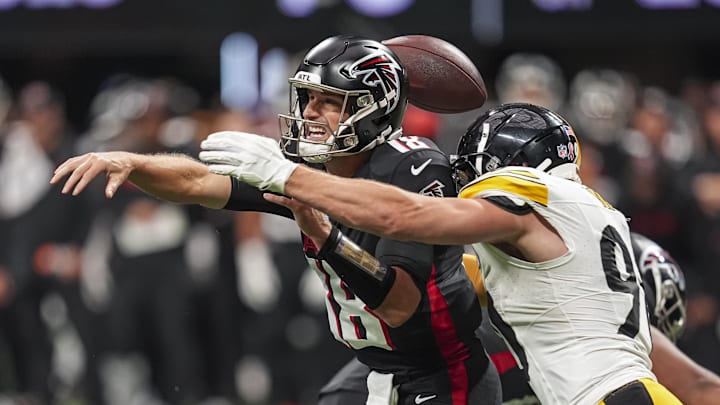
442 78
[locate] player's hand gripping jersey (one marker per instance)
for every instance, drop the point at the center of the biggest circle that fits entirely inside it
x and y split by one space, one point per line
540 307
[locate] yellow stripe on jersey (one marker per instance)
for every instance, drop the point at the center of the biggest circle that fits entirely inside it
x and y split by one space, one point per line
659 395
600 198
472 268
518 182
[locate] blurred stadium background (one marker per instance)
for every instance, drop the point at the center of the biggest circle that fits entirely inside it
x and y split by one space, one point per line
138 302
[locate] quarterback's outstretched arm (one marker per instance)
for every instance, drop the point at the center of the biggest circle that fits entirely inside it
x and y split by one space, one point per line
172 177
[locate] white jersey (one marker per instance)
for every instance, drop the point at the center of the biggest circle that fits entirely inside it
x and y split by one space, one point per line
577 324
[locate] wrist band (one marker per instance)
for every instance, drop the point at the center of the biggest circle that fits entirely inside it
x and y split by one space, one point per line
363 273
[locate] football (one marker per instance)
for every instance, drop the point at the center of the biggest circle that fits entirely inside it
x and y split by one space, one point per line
442 78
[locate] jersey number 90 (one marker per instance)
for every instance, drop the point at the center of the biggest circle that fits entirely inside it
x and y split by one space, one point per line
611 240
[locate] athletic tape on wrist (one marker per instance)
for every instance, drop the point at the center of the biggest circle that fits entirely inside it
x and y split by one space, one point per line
363 273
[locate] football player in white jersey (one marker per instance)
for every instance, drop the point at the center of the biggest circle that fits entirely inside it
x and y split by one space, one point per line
556 258
406 309
664 286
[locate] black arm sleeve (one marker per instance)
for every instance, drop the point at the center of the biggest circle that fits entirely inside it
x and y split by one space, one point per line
244 197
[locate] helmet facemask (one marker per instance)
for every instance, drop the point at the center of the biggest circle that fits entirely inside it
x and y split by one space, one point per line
372 87
468 167
668 311
464 170
296 131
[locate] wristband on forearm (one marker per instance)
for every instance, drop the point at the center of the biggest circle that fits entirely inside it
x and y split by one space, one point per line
362 272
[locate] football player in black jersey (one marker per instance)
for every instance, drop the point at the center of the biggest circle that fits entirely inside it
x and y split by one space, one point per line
665 296
407 309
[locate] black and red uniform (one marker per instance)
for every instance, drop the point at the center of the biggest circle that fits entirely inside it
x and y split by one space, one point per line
435 355
348 386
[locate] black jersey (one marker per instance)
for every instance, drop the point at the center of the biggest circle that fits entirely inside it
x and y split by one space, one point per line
440 335
349 387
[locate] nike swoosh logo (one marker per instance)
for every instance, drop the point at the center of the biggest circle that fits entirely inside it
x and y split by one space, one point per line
417 170
420 398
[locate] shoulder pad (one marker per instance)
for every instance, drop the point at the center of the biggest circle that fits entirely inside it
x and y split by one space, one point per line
390 156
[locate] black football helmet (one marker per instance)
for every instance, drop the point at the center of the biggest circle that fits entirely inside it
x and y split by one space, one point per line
374 87
517 134
664 286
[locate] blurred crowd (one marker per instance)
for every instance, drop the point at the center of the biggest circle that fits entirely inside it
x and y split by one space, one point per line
137 301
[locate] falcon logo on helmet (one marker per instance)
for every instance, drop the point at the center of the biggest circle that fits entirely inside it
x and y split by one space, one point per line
379 70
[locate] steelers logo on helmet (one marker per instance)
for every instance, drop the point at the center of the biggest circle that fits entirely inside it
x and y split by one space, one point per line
373 86
517 134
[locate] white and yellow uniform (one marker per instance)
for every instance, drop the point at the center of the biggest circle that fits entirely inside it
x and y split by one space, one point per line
577 323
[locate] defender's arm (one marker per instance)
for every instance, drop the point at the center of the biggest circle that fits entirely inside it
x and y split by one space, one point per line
391 212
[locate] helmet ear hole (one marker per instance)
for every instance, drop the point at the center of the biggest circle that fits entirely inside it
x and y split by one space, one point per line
362 101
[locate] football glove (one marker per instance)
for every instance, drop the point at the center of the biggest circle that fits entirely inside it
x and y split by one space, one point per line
253 159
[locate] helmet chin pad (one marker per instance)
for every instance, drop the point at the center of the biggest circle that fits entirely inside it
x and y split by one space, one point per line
316 152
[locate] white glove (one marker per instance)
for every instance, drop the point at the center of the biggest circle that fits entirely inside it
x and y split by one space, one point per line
253 159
